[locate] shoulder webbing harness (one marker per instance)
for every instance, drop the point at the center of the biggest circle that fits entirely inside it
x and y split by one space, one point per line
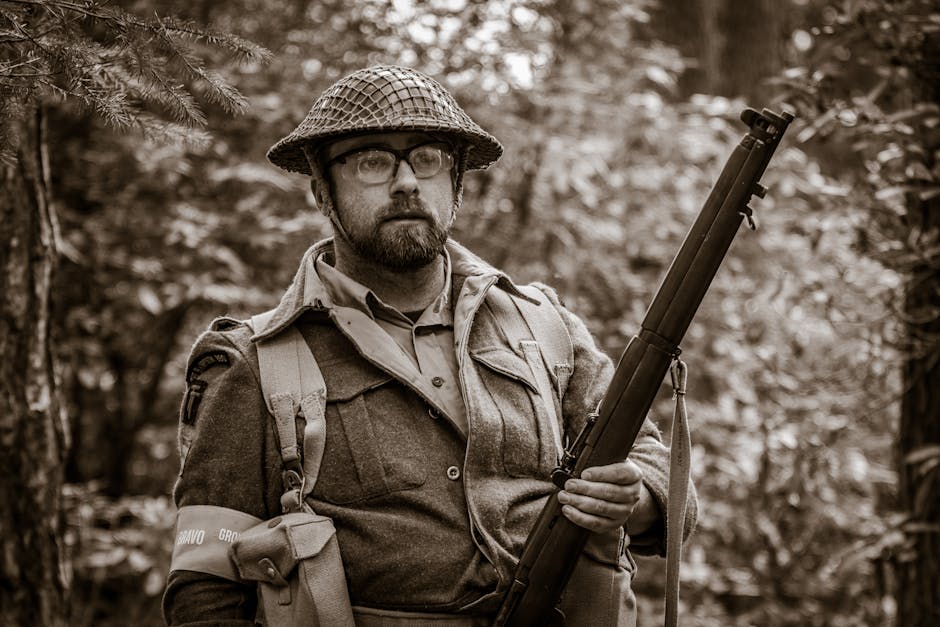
293 388
294 558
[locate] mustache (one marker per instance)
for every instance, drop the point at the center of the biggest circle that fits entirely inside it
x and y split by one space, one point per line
410 207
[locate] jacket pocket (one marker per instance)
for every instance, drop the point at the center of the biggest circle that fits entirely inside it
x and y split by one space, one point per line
512 397
372 435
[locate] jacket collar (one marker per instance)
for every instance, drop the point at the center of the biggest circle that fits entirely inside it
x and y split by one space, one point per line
308 292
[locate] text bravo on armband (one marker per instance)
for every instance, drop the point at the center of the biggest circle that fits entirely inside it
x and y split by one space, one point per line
198 536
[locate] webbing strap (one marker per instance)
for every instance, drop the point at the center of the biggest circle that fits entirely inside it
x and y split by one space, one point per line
370 617
542 354
293 385
679 477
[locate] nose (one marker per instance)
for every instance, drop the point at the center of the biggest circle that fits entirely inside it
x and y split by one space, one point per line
404 182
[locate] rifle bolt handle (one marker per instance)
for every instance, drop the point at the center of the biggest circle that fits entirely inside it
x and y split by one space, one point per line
560 477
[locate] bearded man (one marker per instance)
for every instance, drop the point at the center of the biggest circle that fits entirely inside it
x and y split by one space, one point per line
441 426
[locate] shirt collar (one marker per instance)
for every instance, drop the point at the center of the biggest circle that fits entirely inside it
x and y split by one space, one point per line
347 292
308 291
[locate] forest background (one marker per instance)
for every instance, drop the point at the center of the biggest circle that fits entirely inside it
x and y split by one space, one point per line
137 205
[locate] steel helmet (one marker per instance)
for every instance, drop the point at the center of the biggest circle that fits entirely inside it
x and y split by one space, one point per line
380 99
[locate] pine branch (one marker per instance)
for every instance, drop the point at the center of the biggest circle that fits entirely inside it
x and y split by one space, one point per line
244 49
116 63
176 100
218 92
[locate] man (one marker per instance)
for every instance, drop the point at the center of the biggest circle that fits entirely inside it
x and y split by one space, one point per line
439 440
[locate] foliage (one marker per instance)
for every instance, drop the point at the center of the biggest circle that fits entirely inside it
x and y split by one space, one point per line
120 544
870 82
117 64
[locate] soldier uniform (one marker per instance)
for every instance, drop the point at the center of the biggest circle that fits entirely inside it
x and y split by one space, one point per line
438 441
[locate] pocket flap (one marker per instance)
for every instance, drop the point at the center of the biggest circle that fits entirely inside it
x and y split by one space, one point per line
506 362
349 378
269 551
308 537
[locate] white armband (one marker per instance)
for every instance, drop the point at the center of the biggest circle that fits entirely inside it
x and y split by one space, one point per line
204 534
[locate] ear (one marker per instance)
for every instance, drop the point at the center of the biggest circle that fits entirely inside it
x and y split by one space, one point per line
321 193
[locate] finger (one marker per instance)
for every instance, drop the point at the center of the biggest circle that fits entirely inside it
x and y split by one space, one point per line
623 473
612 510
611 492
597 524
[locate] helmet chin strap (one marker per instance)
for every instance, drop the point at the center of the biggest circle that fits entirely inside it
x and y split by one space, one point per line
324 196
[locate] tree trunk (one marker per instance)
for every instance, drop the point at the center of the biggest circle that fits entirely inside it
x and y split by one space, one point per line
734 47
34 569
918 585
918 572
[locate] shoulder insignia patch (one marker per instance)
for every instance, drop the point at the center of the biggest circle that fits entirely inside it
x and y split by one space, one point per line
191 402
203 362
196 386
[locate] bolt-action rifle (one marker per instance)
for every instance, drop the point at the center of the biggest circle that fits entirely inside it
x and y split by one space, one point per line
555 543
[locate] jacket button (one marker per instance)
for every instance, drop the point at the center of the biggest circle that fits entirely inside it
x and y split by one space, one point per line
433 414
437 381
453 473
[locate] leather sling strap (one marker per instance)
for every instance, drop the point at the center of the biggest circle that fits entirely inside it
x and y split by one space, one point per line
679 478
292 384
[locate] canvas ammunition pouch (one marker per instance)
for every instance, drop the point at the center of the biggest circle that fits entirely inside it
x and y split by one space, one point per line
296 561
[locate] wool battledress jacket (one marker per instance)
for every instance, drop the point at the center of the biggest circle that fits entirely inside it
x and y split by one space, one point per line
429 518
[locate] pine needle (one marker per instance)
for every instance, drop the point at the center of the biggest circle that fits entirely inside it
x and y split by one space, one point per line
120 65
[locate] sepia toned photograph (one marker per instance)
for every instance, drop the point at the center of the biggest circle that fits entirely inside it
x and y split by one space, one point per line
469 313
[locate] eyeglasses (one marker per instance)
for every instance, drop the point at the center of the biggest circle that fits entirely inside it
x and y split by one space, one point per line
373 165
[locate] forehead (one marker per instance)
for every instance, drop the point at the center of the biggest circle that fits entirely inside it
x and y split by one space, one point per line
397 140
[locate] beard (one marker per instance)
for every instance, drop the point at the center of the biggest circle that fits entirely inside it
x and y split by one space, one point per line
402 246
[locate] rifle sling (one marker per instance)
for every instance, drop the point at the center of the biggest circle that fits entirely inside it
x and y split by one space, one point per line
679 477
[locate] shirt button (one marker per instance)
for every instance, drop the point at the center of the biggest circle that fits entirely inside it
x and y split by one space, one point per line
453 473
437 381
433 414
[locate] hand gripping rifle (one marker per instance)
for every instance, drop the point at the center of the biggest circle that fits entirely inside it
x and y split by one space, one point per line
555 543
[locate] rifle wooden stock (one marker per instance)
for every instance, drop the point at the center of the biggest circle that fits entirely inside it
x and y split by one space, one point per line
555 543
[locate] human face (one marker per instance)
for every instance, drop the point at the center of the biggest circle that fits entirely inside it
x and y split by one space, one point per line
401 223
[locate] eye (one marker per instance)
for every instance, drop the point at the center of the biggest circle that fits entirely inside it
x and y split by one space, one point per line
374 161
426 159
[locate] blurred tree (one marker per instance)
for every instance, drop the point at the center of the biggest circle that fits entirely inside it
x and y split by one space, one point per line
732 50
131 72
872 82
33 570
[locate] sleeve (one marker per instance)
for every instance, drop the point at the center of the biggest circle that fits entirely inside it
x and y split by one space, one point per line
228 458
589 380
